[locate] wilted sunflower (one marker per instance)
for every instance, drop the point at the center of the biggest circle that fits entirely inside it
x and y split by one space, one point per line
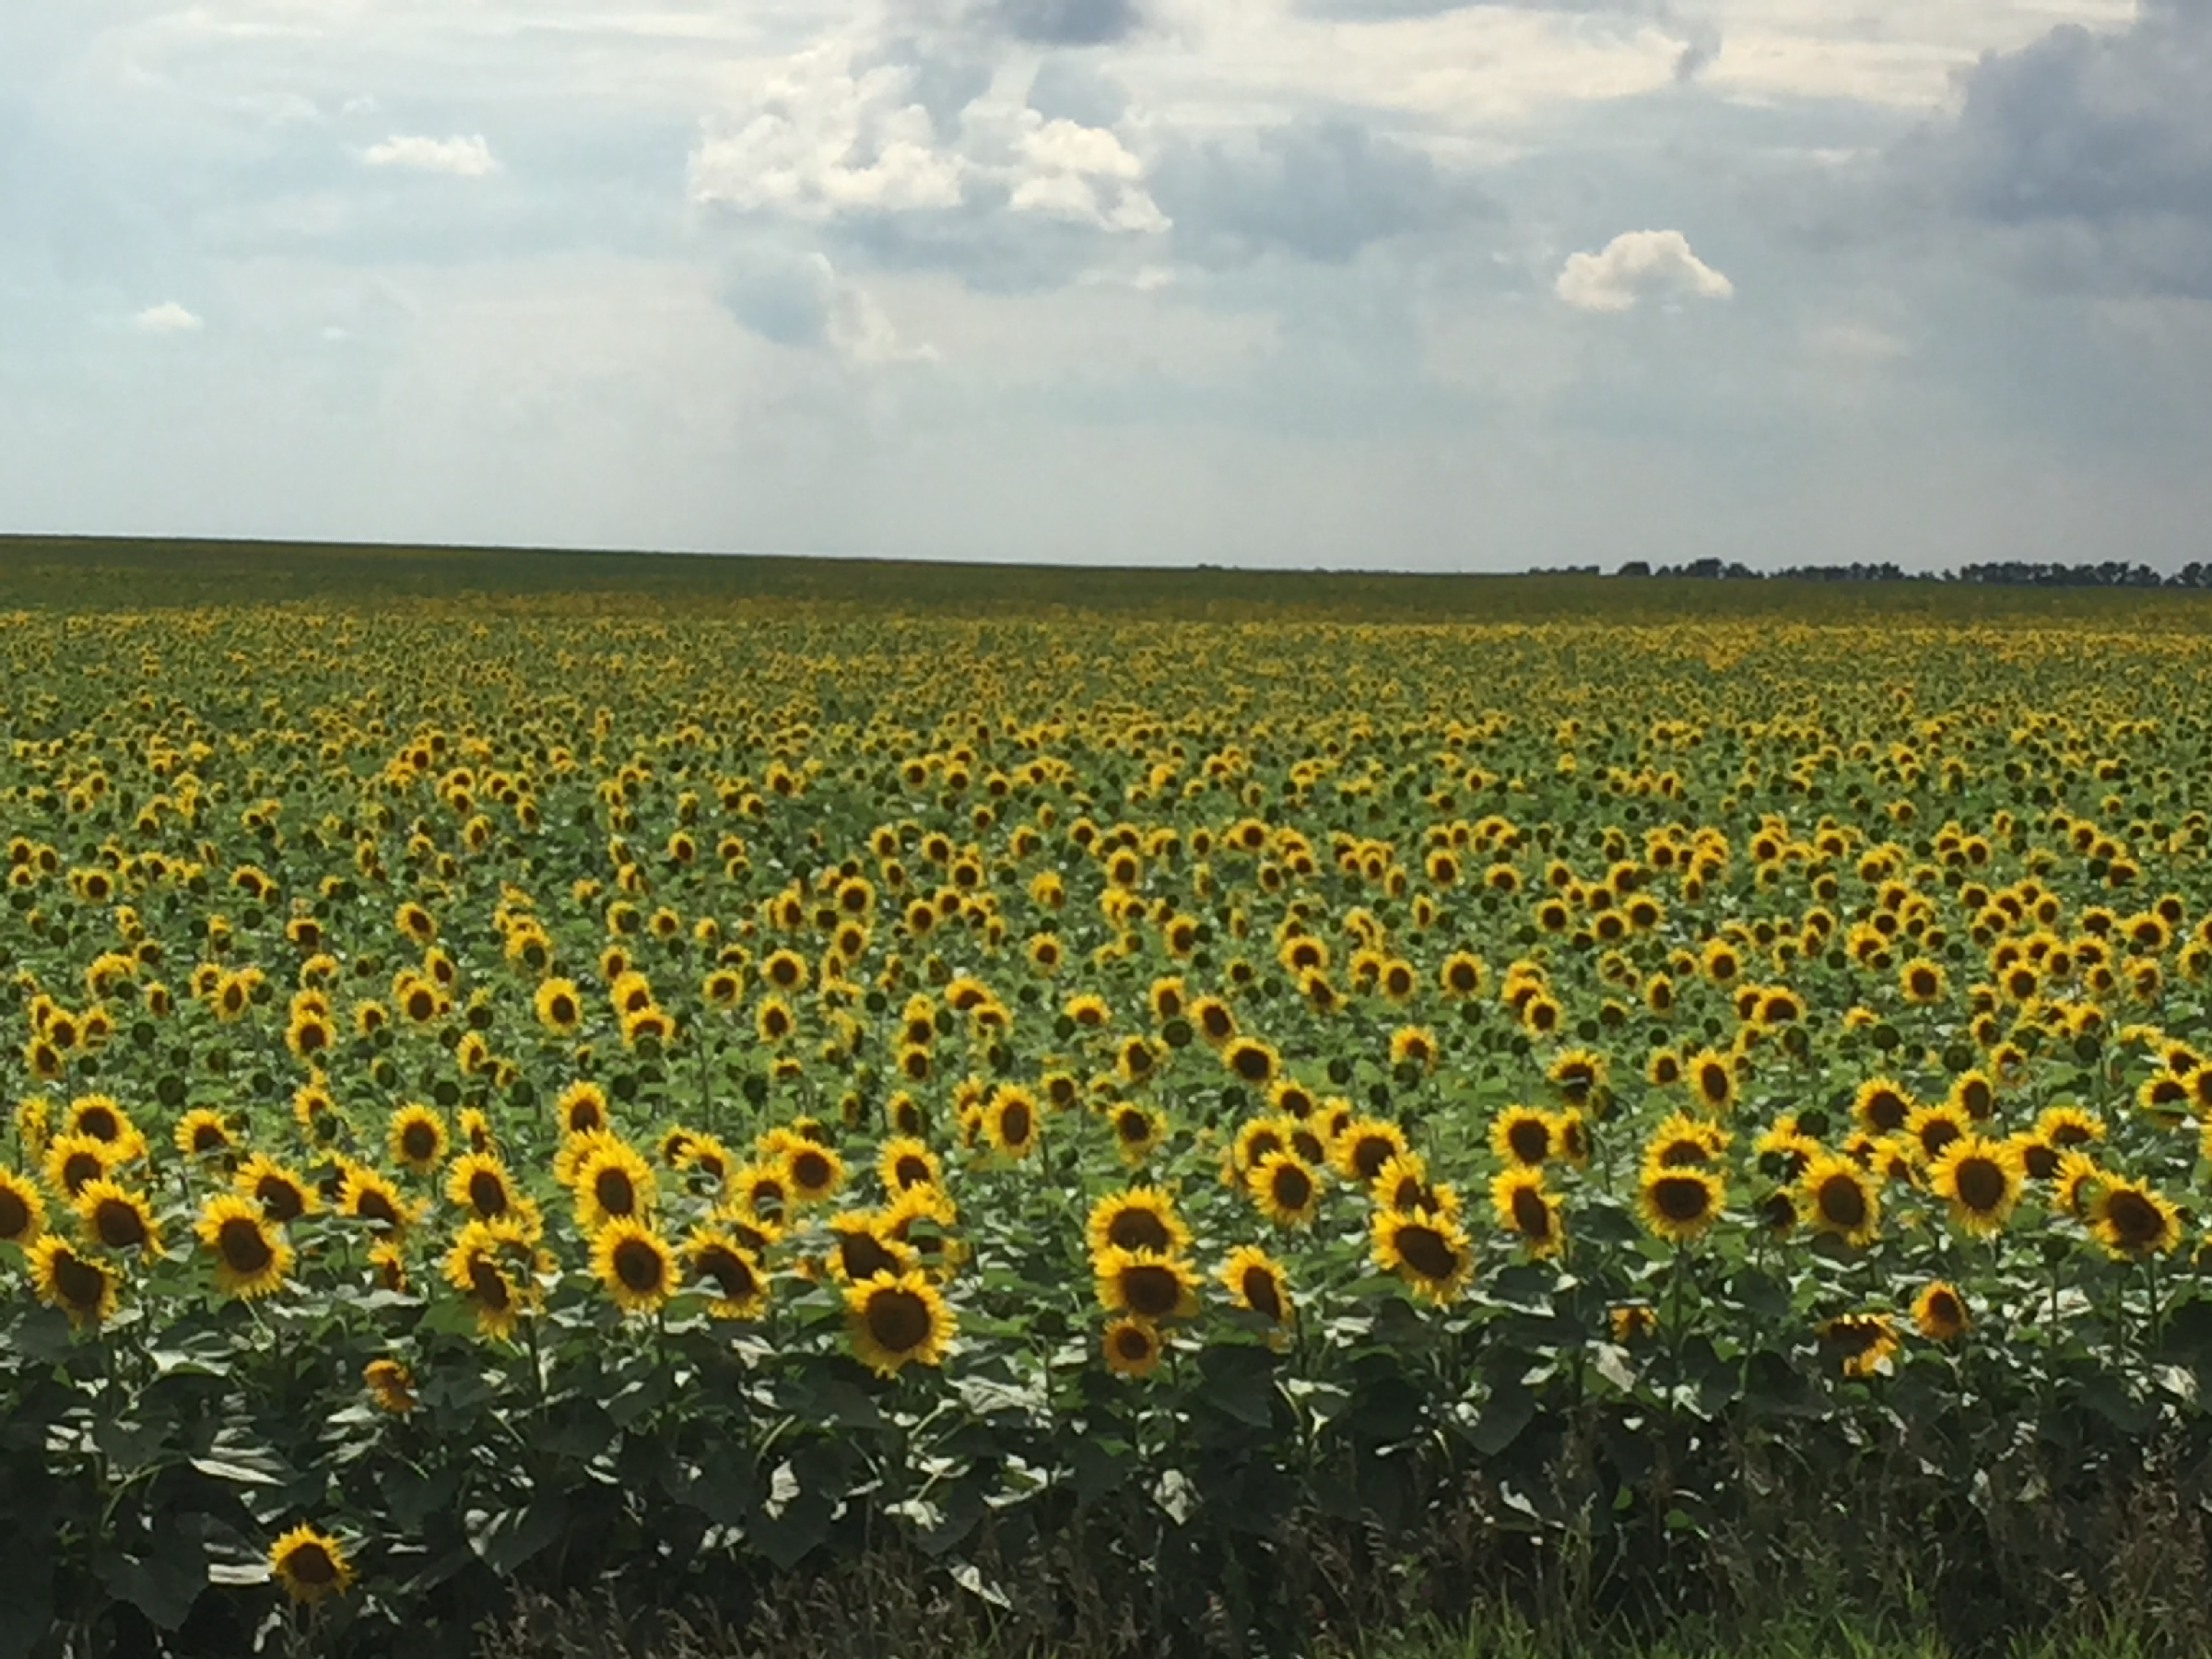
1680 1205
1940 1312
1150 1284
308 1564
1981 1178
1525 1208
2134 1220
251 1256
1286 1188
116 1218
22 1210
1861 1342
1143 1218
415 1138
1834 1195
1426 1249
1522 1136
614 1182
896 1318
732 1273
1132 1346
634 1264
1256 1282
80 1284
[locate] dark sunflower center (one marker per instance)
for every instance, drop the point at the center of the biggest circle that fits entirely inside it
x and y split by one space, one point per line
639 1266
729 1272
1216 1022
1886 1111
119 1225
1151 1290
373 1206
1981 1184
280 1198
811 1170
487 1193
1292 1187
1138 1230
1944 1311
1681 1199
1014 1124
863 1256
1532 1216
1938 1135
82 1286
563 1009
311 1564
1713 1082
616 1192
207 1138
2135 1221
910 1171
14 1215
1530 1139
2042 1160
1261 1294
1370 1153
1133 1343
1681 1154
1854 1336
99 1123
1133 1126
1843 1203
242 1245
584 1119
897 1320
1977 1099
489 1286
419 1141
1428 1252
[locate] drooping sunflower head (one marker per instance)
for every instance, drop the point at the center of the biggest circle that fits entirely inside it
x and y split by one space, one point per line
1861 1343
897 1319
1939 1311
391 1384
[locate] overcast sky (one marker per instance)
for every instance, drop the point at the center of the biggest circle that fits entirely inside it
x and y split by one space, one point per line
1392 283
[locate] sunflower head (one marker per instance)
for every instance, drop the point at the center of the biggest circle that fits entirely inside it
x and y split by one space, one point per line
1525 1208
1982 1179
1132 1346
1257 1283
72 1281
634 1264
1425 1249
1150 1284
1286 1188
308 1564
2133 1220
1835 1197
898 1319
1939 1311
250 1252
1679 1205
1143 1218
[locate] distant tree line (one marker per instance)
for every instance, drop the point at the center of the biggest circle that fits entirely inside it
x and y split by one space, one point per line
2007 572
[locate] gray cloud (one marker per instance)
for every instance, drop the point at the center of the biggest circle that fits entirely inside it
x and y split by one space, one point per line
1062 22
1069 89
1319 188
2090 153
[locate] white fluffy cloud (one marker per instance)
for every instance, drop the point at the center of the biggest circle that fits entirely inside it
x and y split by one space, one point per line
1083 173
165 318
1635 266
464 158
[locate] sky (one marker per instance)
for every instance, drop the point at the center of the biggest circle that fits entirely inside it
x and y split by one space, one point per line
1393 284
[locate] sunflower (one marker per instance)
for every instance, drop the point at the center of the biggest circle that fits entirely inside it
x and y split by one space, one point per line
1940 1312
894 1318
22 1210
73 1160
1143 1218
308 1564
763 1189
1834 1195
860 1249
813 1173
1010 1122
732 1273
582 1109
1932 1128
1413 1045
391 1384
1578 1075
1922 982
1972 1093
1861 1342
1680 1205
2076 1183
634 1264
1712 1081
479 1266
1629 1322
81 1285
1256 1282
2064 1127
1882 1106
1286 1188
907 1161
283 1194
1213 1020
2133 1220
1982 1179
1526 1208
1150 1284
368 1196
415 1138
1252 1061
1131 1347
559 1005
116 1218
1138 1132
1522 1136
1682 1142
100 1117
614 1182
251 1254
1426 1249
202 1133
1364 1146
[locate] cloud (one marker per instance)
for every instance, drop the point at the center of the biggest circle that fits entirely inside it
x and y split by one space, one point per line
2090 153
1062 22
1637 265
1319 188
464 158
164 319
1083 173
799 300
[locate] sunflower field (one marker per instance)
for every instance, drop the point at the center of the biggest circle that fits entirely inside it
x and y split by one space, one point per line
539 1091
